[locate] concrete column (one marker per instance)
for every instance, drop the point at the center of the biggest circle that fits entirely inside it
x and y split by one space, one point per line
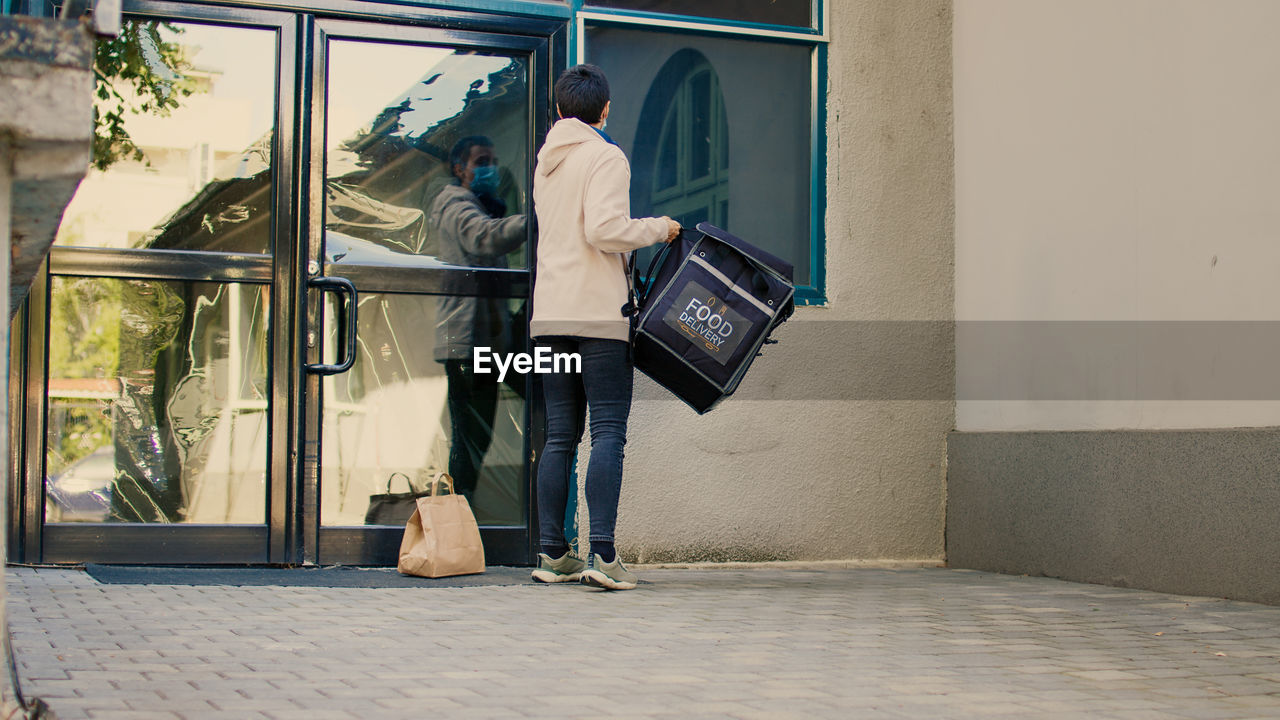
46 128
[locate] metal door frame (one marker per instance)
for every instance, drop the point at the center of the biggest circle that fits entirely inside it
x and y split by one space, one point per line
347 545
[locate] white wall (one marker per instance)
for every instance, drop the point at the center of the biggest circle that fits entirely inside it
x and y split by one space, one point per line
1115 160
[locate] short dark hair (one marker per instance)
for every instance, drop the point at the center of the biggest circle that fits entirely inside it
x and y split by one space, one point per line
461 151
582 92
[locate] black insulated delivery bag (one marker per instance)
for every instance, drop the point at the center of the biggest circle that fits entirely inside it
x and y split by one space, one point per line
709 306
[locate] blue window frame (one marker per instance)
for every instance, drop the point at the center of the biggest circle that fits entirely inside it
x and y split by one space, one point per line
723 121
782 13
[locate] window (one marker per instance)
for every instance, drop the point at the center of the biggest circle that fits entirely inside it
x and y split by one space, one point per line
202 179
772 12
682 145
719 127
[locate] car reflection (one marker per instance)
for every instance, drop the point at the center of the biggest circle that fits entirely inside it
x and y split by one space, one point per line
82 492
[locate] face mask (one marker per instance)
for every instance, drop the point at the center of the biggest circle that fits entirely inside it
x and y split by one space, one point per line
485 180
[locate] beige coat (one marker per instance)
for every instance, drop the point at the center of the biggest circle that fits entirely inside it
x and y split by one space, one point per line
581 193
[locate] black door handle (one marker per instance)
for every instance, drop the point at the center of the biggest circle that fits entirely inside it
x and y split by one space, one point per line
346 324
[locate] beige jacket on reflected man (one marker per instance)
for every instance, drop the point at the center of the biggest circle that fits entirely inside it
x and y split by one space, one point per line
581 193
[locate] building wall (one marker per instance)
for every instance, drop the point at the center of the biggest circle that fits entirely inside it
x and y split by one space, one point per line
1116 161
817 457
1116 220
1182 511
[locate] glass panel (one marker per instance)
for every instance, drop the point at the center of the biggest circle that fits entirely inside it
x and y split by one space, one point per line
667 171
701 99
193 171
157 402
751 106
411 407
427 158
772 12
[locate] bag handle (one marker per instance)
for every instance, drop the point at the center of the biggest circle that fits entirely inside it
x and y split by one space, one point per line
392 477
632 306
656 261
435 483
637 290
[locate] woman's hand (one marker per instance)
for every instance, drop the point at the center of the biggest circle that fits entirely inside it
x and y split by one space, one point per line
673 229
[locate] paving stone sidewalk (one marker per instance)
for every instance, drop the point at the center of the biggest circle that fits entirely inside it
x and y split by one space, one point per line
694 643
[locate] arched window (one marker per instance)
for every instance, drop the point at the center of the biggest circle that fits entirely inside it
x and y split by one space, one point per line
683 141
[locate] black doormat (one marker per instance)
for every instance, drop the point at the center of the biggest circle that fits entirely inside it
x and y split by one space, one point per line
337 576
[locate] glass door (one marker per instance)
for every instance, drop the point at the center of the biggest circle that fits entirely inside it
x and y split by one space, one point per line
422 167
150 413
260 311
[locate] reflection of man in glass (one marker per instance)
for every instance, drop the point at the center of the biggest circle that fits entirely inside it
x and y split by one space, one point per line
473 231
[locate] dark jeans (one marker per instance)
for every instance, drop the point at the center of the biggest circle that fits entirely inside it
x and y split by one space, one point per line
604 386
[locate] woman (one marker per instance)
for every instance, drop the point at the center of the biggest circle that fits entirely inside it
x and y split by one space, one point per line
581 193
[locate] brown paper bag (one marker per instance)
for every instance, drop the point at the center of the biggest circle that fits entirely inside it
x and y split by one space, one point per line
441 537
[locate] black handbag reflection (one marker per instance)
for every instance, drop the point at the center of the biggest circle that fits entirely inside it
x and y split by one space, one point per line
393 508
